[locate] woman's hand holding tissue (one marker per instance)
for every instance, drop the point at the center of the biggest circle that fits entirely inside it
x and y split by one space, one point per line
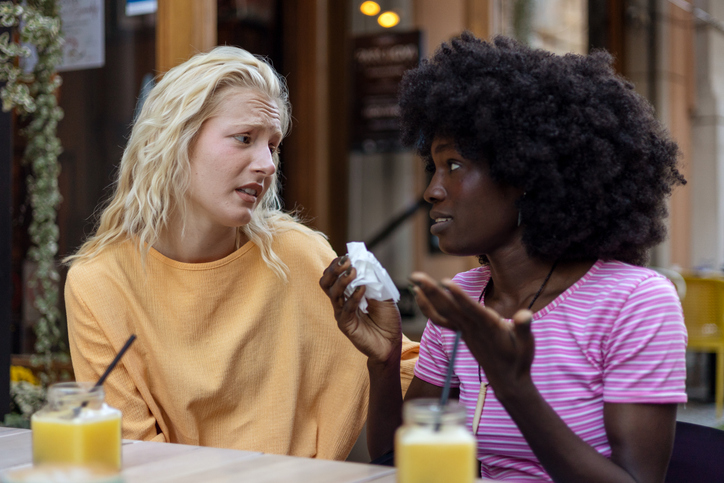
377 333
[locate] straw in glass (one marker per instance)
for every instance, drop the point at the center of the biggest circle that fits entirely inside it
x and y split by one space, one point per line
448 377
76 411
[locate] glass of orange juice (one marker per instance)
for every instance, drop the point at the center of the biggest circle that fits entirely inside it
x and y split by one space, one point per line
434 445
77 427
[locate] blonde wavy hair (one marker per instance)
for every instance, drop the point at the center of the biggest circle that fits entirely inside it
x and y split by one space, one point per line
153 177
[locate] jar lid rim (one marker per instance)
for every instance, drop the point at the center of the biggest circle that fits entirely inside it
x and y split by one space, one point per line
430 410
75 389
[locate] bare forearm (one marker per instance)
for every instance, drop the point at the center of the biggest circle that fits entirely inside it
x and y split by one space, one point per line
564 455
384 415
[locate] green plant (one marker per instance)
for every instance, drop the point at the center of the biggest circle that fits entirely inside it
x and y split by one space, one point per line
32 95
27 395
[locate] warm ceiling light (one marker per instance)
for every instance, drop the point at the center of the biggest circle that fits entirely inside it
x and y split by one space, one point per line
370 8
388 19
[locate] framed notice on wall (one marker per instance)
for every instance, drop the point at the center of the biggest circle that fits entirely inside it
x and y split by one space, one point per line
379 61
83 34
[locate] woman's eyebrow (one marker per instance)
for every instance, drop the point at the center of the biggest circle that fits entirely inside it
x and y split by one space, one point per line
442 147
252 125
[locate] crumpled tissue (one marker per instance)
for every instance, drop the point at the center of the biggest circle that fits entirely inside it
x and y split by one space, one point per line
371 274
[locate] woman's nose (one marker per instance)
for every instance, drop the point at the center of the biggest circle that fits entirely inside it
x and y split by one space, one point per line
434 192
264 162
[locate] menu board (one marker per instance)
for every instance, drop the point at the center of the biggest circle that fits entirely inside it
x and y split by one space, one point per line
379 61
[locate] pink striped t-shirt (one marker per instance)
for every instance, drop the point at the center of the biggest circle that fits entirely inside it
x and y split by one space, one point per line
617 336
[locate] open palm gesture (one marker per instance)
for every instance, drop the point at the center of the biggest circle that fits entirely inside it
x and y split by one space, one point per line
505 351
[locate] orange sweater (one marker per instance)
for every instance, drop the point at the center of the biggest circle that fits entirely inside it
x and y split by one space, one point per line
227 354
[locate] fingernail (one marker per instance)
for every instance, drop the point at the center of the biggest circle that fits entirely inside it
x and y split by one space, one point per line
342 260
348 272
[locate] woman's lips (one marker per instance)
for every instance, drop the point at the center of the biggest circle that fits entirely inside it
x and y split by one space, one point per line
250 192
246 195
440 224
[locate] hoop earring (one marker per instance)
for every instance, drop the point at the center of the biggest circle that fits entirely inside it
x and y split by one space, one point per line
520 211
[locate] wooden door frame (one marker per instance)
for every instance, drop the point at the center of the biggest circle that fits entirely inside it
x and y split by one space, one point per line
316 153
183 28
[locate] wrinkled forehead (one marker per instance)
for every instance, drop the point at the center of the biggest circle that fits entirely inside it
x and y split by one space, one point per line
257 106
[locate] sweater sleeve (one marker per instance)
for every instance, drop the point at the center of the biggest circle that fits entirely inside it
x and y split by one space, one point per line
410 354
91 352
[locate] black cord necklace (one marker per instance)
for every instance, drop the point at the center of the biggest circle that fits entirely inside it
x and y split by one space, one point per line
484 385
537 294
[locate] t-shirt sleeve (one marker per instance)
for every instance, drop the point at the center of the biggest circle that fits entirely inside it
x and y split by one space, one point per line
435 347
644 360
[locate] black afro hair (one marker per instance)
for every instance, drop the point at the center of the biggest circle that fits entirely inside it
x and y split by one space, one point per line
594 163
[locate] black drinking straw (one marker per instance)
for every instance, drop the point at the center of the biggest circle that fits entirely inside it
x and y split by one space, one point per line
118 358
108 370
448 377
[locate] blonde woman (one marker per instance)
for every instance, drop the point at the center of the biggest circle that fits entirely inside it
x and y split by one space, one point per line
237 346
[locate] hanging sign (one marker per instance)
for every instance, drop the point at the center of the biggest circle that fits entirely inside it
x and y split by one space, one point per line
379 61
140 7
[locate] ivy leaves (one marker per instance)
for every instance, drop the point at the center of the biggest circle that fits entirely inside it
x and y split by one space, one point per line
32 95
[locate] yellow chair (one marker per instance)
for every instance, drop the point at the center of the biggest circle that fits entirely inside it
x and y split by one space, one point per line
704 317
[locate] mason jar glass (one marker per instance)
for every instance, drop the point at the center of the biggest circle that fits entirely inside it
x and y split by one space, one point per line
433 444
77 427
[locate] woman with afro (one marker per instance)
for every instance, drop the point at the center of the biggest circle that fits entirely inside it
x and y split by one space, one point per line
555 173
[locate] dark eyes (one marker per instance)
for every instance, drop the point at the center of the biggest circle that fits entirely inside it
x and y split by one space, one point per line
452 164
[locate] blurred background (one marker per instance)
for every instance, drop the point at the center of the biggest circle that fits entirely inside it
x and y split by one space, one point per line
342 166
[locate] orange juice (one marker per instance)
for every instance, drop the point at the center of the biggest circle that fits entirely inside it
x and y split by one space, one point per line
77 427
79 441
434 447
444 457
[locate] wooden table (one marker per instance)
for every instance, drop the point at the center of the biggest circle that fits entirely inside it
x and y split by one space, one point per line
145 462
